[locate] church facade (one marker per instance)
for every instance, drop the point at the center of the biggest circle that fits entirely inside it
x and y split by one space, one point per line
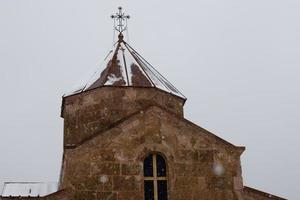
126 138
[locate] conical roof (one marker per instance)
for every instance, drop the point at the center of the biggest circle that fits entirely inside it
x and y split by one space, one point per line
127 68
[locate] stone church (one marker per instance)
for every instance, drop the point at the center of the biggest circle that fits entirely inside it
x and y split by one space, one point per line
126 138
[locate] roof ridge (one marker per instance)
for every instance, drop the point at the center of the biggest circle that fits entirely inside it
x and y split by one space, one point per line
161 76
131 53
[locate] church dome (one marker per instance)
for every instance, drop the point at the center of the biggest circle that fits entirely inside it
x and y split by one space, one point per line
125 67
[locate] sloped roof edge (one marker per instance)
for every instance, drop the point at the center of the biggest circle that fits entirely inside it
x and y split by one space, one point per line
124 66
44 197
109 86
239 148
28 189
259 192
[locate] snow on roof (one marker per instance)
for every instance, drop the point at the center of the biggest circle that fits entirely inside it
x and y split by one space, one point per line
125 67
28 189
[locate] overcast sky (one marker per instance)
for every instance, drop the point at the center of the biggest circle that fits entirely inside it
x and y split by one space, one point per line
236 61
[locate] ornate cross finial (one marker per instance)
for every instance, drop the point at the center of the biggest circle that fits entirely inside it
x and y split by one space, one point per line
121 20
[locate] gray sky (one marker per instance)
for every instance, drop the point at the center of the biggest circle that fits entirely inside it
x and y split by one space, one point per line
236 61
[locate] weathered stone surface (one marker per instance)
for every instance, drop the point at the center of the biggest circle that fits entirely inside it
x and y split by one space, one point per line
126 183
107 196
130 195
107 159
105 168
86 183
116 157
238 183
219 183
132 169
93 111
84 195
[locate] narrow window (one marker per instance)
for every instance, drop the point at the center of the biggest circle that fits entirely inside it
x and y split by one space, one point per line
155 178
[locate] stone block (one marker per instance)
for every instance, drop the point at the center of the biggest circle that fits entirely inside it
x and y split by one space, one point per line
78 168
106 196
84 195
202 169
125 183
105 183
185 182
86 183
102 155
219 183
131 169
106 168
134 195
187 155
205 156
181 194
238 183
194 169
201 183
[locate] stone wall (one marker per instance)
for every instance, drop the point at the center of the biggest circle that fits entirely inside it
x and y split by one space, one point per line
110 166
92 111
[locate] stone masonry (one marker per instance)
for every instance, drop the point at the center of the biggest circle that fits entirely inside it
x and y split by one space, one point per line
104 159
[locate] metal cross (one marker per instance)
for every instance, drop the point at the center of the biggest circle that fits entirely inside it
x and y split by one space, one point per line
121 20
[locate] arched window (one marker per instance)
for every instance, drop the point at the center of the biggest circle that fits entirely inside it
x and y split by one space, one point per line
155 178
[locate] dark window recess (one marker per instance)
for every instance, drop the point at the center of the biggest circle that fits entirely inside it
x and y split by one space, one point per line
162 190
161 166
149 190
155 178
148 166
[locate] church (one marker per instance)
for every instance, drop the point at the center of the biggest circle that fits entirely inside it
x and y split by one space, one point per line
126 138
